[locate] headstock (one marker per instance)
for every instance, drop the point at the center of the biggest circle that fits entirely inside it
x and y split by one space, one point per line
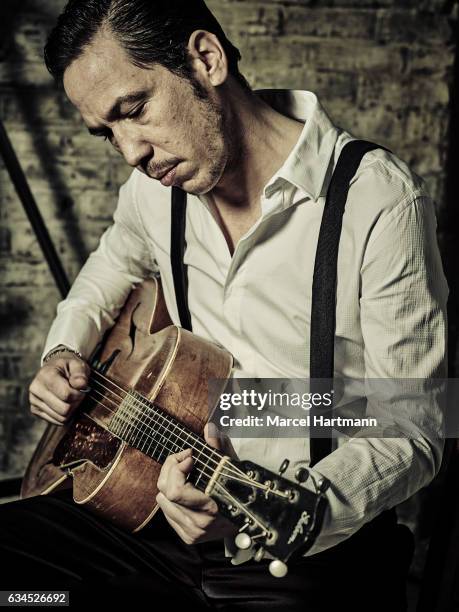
276 515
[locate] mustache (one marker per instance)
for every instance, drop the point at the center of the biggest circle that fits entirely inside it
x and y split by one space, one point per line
155 169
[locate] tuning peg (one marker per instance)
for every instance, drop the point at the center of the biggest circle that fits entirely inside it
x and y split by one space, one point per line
243 541
323 484
301 475
284 465
278 569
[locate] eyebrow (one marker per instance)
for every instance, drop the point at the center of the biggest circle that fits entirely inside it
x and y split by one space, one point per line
115 111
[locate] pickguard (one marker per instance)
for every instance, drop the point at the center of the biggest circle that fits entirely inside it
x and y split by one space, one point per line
86 441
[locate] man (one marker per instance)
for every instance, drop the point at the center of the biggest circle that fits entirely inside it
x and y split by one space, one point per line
160 81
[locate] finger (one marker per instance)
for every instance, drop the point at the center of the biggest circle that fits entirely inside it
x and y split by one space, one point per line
38 403
192 498
173 484
55 379
171 461
172 480
52 379
182 459
78 374
212 436
47 397
39 409
190 516
185 494
183 467
178 457
192 523
178 530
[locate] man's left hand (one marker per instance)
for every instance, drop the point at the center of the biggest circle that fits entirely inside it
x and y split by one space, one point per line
191 513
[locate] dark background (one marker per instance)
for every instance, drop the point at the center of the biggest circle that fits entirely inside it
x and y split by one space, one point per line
385 70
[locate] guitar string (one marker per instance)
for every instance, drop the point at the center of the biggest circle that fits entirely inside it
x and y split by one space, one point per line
227 494
151 406
105 406
134 402
152 419
251 516
226 471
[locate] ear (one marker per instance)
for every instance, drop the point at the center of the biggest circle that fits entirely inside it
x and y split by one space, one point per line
208 57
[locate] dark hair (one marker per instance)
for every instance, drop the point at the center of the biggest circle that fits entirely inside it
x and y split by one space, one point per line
150 31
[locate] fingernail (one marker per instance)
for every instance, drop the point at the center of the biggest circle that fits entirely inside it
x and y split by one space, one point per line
85 390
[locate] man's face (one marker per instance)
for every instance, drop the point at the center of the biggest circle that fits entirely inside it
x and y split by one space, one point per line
151 116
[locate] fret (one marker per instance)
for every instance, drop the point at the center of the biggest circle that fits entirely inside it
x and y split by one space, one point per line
200 482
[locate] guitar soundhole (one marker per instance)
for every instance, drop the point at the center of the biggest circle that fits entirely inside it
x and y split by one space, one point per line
85 440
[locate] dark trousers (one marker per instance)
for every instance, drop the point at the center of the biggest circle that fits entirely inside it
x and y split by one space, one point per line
50 543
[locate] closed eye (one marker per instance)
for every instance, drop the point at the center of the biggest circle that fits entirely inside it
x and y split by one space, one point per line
106 134
137 112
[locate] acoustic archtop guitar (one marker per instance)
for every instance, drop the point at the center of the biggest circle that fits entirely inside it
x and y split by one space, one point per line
148 399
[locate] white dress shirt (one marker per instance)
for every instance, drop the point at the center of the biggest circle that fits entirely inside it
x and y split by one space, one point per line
391 298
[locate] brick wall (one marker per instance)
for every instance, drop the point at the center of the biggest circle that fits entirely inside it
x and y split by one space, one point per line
383 69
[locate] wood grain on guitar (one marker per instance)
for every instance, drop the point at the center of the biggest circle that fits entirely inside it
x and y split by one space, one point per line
149 399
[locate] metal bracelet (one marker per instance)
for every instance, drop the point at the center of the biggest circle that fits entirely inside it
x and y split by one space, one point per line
62 349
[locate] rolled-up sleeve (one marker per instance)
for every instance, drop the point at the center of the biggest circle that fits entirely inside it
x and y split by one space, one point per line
122 259
403 321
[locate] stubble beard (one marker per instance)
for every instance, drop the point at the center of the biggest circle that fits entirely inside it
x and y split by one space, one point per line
219 141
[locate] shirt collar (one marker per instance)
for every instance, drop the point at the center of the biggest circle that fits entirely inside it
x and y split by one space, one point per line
306 166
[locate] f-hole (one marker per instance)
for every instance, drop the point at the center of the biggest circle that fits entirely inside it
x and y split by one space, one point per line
132 330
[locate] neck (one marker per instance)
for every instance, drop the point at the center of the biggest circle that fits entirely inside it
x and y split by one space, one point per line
260 141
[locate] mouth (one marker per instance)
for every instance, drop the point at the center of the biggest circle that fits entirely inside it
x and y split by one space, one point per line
166 178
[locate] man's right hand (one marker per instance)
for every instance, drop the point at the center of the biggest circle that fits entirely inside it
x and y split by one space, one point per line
58 387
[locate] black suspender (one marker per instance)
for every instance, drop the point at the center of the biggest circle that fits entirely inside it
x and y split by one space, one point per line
323 308
178 244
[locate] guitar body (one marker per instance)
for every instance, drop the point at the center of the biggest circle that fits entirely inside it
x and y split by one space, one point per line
165 364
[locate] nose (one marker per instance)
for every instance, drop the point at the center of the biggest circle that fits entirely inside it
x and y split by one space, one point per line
131 144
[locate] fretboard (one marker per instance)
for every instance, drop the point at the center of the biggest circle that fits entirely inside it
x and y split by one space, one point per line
148 428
